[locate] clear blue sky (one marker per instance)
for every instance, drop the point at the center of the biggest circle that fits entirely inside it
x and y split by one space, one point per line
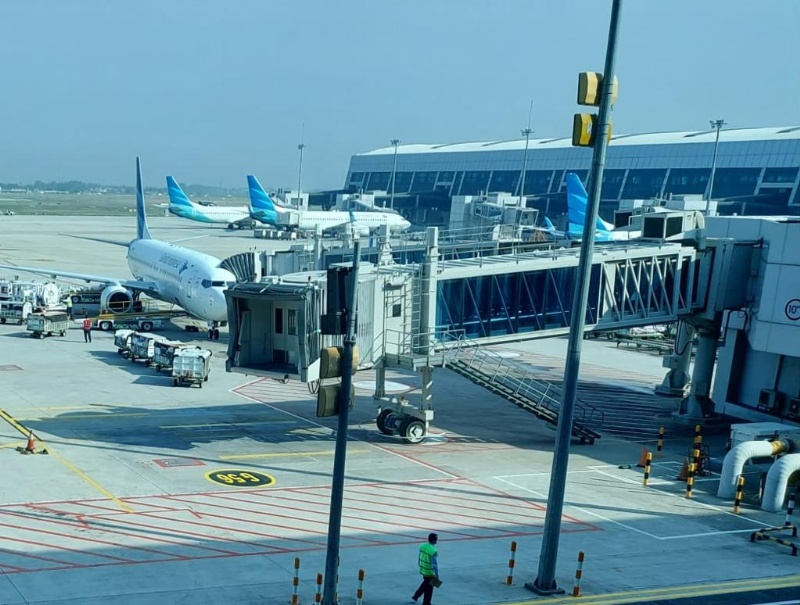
210 91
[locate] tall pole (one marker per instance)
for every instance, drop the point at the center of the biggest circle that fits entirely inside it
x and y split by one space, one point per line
545 582
717 124
340 453
526 132
394 142
300 147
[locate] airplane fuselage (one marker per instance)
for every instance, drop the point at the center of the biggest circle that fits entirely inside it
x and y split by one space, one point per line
211 214
190 279
331 219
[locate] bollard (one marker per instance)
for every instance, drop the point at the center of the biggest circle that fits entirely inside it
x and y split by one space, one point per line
296 582
739 489
647 469
660 442
510 576
360 591
318 595
690 481
576 590
696 458
698 438
790 509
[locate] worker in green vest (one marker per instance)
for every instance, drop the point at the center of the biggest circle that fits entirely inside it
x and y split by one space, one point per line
68 303
428 569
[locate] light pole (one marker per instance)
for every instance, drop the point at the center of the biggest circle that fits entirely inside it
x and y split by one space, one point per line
716 124
527 132
394 142
300 148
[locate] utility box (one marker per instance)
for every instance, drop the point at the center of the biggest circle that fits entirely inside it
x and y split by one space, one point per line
760 431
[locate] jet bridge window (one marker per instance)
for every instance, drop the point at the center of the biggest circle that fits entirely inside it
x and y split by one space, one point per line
207 283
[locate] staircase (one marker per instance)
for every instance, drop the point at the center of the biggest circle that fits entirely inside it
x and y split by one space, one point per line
517 383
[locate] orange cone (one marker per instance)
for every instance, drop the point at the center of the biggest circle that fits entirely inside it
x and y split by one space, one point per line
684 470
643 458
31 447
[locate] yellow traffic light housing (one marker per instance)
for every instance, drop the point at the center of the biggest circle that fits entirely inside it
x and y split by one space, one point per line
590 88
584 129
330 362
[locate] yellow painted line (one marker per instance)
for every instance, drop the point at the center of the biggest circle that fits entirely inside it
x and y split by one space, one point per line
206 424
674 592
90 481
5 416
281 455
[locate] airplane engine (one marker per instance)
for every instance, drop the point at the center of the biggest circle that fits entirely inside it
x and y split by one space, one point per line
363 232
116 299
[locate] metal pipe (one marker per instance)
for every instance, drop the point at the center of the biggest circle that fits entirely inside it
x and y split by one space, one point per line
735 460
394 142
777 481
545 582
718 124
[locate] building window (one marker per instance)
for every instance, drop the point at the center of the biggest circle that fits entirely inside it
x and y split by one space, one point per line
779 175
683 181
644 184
278 321
774 196
378 181
555 186
504 181
537 181
612 183
423 181
582 174
291 319
397 310
403 182
735 182
356 179
475 181
446 178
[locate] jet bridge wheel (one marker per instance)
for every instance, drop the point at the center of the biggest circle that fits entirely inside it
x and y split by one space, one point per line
380 422
413 430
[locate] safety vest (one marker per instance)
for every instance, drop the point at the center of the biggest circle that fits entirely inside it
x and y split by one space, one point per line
69 302
87 324
427 552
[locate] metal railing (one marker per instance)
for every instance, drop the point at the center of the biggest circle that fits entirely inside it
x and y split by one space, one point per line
437 348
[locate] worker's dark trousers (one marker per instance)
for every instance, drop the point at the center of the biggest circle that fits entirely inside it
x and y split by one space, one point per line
425 590
87 336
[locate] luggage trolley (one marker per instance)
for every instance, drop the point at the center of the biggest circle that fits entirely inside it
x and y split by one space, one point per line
191 366
143 347
164 353
122 340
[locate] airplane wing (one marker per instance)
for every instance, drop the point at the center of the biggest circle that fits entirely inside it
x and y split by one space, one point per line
147 287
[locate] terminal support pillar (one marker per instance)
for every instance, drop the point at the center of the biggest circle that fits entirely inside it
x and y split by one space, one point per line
380 381
318 248
677 380
698 404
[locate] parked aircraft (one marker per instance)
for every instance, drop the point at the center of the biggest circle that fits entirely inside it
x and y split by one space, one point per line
577 202
190 279
181 205
263 209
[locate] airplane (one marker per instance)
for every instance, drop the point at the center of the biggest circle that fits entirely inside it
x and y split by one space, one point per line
167 272
577 201
264 210
181 205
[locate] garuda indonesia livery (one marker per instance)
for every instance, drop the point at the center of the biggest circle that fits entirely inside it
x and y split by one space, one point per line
181 205
264 210
190 279
577 203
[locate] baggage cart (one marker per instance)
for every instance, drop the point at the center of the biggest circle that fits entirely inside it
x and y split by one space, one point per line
164 353
122 340
15 311
191 366
48 323
143 347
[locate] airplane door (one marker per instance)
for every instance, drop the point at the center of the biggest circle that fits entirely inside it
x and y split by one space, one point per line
192 283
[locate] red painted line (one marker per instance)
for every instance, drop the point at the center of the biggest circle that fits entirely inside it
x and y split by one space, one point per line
78 538
29 556
80 552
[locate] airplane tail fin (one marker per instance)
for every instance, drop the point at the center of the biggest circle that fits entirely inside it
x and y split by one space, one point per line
142 231
549 225
259 198
176 195
577 204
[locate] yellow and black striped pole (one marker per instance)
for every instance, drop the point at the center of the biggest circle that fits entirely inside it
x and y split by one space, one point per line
318 595
690 480
576 590
739 491
660 442
360 590
790 509
647 468
296 583
511 564
696 458
698 438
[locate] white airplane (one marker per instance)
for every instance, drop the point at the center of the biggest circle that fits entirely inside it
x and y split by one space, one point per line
181 205
264 210
577 204
190 279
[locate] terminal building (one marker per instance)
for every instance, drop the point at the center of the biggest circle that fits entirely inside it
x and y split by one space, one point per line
757 172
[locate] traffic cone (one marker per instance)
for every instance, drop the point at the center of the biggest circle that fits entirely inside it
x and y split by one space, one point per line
682 476
31 447
643 458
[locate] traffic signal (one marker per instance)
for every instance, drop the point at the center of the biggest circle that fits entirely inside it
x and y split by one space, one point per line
584 127
329 395
590 88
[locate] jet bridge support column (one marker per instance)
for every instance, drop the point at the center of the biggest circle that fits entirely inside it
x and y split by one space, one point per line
698 404
318 248
678 379
380 381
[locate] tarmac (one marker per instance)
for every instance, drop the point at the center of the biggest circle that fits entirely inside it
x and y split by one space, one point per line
154 494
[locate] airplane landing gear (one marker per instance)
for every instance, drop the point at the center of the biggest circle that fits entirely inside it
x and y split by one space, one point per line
213 331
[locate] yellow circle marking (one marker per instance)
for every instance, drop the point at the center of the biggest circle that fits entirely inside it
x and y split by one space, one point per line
240 478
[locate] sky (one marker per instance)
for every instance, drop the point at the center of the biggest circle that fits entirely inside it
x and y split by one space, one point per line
211 91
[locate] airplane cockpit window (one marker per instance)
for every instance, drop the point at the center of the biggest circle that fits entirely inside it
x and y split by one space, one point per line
206 283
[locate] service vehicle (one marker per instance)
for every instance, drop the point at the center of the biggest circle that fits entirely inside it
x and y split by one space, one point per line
191 366
143 347
48 323
15 311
